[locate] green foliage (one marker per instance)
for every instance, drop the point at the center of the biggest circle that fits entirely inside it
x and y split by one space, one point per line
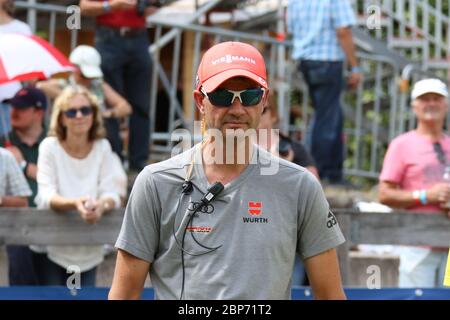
42 34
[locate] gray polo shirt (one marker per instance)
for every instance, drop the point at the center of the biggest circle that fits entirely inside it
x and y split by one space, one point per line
259 221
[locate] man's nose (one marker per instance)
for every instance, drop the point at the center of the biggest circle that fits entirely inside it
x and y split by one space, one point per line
236 106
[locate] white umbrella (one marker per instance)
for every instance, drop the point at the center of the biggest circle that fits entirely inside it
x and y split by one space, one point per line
25 57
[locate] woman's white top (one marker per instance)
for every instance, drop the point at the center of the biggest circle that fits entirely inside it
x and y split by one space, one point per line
99 174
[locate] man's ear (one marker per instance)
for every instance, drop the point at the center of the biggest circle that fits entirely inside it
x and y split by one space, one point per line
273 117
414 107
198 98
266 97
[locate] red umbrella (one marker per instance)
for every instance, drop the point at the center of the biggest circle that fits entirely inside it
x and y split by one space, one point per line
29 57
24 58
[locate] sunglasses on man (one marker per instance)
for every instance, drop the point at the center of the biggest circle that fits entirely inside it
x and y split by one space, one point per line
224 98
72 112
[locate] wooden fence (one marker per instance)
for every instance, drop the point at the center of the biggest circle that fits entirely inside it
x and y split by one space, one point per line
395 228
30 226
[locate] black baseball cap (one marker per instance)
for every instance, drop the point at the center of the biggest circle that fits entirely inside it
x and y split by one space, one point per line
28 97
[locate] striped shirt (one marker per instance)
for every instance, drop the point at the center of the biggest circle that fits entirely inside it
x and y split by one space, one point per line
12 180
313 26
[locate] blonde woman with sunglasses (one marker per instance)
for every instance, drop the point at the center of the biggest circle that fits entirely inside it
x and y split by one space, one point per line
77 171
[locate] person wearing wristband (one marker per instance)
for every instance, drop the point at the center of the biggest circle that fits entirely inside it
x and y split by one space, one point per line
28 107
121 39
322 38
412 178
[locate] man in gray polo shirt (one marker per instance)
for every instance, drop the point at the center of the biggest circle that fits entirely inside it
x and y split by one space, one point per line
211 229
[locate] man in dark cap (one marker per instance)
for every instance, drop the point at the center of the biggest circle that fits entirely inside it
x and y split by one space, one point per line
27 121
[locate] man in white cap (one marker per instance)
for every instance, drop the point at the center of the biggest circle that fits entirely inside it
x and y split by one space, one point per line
412 178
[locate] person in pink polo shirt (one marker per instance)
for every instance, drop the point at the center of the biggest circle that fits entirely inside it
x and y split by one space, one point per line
412 178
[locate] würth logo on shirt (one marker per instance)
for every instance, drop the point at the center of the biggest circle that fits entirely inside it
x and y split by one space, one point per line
255 210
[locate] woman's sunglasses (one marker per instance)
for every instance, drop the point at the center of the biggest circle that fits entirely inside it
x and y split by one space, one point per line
72 112
224 98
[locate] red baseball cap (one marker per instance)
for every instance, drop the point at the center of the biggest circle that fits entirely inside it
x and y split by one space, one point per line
228 60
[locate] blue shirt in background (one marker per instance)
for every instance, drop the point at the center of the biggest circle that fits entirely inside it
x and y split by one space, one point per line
313 26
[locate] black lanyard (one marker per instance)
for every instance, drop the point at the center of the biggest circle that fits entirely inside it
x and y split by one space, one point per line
439 153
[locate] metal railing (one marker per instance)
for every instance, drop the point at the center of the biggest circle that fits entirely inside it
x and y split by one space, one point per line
50 13
375 113
416 28
372 116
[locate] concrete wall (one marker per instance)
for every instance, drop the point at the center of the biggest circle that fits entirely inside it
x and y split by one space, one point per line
367 268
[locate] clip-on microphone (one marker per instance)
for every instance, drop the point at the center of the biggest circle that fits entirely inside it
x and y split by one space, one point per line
213 191
187 187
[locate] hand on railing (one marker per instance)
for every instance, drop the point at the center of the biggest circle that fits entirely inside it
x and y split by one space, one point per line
90 210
